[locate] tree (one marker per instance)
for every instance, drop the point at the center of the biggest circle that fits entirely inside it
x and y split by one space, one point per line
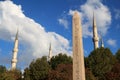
86 62
60 59
118 55
61 72
2 69
89 75
38 70
100 61
27 74
114 74
11 75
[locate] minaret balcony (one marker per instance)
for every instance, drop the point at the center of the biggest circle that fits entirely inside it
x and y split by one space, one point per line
14 60
95 38
15 50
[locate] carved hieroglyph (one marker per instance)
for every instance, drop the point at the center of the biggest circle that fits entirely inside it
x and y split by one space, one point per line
78 56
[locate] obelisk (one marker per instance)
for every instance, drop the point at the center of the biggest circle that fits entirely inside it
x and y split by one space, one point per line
78 56
95 34
15 51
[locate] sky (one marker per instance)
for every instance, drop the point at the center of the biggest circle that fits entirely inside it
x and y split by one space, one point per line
45 22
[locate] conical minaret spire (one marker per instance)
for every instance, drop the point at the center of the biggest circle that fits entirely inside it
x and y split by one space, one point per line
16 37
15 51
95 34
78 55
50 53
102 42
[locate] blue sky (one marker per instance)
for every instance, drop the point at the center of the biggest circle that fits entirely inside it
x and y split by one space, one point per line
42 22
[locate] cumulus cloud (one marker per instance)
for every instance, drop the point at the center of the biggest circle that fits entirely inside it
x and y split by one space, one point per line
71 12
33 38
102 15
112 42
63 22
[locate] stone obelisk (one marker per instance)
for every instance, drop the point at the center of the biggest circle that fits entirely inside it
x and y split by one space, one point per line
50 53
95 34
15 51
78 56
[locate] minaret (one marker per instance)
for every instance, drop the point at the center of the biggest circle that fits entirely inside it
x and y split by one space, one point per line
15 51
78 56
95 34
50 53
102 43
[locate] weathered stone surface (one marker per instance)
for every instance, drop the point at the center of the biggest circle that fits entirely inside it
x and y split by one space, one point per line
78 56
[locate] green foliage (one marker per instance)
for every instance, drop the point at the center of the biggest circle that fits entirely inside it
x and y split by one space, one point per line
27 74
61 72
114 74
101 64
86 61
2 69
100 61
60 59
7 76
89 75
118 55
38 70
11 75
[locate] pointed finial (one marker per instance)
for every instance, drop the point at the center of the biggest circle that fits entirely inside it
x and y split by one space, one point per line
16 38
50 47
50 53
94 23
102 42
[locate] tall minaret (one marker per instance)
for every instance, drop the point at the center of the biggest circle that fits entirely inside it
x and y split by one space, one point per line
95 34
102 43
15 51
50 53
78 55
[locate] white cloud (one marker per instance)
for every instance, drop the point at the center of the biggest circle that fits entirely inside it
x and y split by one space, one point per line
117 13
102 15
71 12
63 22
32 36
112 42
